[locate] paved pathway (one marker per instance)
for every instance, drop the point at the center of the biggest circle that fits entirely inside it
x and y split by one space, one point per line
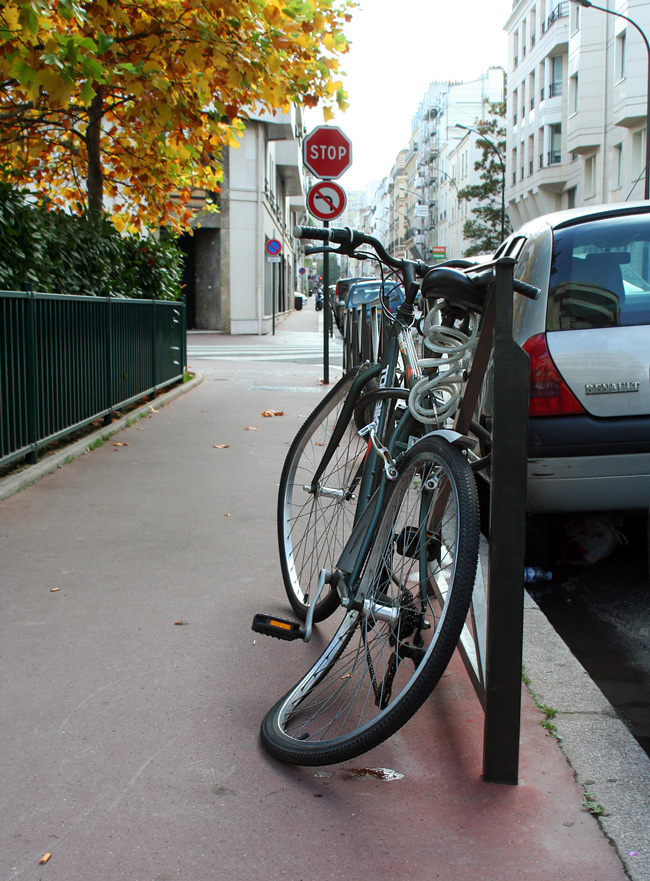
132 687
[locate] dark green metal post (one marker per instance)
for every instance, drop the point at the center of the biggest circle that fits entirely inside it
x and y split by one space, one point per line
507 538
326 314
152 396
183 339
108 362
30 371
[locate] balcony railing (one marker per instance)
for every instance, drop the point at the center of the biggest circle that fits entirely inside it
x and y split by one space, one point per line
555 90
560 11
554 157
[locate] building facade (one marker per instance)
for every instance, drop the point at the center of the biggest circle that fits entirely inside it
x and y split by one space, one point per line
576 106
232 285
417 210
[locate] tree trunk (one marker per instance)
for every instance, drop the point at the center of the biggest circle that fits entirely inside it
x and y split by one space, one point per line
95 176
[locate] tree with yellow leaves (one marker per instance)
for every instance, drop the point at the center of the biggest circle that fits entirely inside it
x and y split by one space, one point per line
127 104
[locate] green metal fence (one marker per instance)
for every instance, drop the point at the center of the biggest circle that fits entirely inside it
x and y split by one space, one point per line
66 361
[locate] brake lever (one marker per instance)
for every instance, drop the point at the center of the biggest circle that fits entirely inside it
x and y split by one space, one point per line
314 249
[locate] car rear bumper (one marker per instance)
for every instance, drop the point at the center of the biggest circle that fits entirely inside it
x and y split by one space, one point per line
589 483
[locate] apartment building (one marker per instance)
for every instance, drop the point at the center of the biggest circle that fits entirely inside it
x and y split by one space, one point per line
576 106
231 284
425 215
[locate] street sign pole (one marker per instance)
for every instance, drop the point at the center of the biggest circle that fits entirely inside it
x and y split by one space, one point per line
326 313
273 298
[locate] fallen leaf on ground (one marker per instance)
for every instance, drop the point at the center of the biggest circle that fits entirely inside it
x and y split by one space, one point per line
153 410
221 446
273 413
118 444
251 428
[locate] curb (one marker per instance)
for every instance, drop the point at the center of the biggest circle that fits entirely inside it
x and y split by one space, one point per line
606 760
11 485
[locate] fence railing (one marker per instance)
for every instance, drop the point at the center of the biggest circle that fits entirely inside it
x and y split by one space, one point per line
67 361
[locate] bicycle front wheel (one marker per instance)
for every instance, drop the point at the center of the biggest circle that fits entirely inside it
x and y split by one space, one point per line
314 523
389 653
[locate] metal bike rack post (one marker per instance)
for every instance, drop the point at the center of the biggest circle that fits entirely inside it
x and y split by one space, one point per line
505 612
492 641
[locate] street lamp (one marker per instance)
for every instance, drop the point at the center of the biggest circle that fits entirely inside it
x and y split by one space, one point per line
503 173
588 5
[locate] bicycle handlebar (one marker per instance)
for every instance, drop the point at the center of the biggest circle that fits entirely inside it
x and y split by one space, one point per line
349 240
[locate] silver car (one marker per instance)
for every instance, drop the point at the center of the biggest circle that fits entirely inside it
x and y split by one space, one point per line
588 339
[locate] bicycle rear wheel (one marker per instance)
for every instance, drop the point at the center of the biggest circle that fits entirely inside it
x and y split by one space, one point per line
313 526
385 658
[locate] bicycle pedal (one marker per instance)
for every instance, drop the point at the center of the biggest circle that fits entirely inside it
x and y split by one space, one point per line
277 627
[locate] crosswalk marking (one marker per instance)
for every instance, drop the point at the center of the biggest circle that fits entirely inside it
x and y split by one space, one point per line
298 353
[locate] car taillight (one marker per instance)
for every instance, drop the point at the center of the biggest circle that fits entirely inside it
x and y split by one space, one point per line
549 394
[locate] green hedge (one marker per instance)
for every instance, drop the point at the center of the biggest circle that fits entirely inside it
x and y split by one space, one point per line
60 253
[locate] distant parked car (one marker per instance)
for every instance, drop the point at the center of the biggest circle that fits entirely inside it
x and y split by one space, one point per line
588 340
341 296
362 292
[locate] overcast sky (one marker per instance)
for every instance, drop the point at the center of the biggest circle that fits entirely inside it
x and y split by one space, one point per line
397 48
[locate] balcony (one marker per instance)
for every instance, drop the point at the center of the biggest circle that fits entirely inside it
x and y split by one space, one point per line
560 11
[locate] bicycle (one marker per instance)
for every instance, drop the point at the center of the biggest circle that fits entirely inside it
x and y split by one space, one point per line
320 485
405 564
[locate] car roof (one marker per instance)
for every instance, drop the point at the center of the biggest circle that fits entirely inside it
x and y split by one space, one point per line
574 216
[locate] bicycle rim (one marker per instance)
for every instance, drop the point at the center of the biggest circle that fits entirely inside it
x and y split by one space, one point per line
313 526
384 660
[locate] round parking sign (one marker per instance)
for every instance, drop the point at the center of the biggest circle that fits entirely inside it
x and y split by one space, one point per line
273 247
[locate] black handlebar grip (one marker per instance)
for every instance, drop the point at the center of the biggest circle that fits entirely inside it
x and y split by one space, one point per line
312 232
527 290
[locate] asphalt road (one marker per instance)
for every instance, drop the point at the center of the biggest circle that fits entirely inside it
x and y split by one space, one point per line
602 613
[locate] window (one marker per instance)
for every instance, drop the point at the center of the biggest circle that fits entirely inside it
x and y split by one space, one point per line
555 153
555 88
599 275
619 60
574 18
531 90
573 94
590 177
638 154
617 169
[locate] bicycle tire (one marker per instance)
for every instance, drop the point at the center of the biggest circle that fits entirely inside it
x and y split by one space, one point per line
314 527
375 674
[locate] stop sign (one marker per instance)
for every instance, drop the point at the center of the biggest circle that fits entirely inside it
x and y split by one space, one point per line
327 152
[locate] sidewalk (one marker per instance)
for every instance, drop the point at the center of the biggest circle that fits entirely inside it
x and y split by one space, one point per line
133 687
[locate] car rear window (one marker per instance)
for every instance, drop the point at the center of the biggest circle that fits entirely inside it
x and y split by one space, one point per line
364 294
600 274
